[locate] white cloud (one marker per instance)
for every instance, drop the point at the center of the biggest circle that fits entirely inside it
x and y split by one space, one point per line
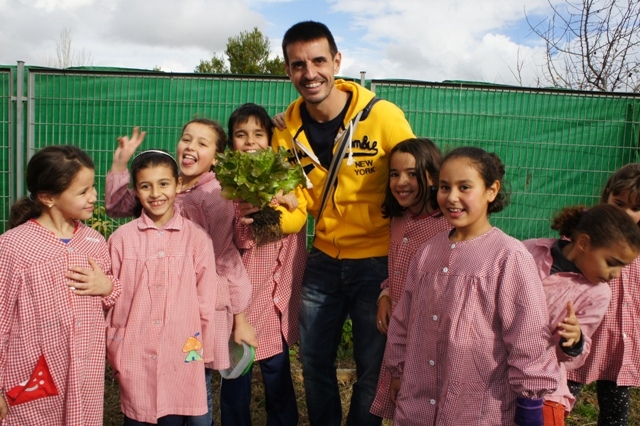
124 33
416 39
436 40
198 23
50 5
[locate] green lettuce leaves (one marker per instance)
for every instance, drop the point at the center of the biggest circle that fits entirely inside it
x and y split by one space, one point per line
256 177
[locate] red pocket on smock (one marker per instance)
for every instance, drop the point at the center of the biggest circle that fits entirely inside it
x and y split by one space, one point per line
39 385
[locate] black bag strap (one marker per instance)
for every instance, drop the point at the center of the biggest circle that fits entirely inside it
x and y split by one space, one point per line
343 143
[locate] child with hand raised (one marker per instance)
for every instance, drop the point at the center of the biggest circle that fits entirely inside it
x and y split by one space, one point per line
200 201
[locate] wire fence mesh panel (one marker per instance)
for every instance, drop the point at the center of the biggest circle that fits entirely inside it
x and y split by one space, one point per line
559 147
6 150
91 109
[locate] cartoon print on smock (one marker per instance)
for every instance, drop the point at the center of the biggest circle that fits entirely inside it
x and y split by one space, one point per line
193 348
39 385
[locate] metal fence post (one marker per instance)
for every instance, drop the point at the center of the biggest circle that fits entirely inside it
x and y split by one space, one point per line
31 115
19 142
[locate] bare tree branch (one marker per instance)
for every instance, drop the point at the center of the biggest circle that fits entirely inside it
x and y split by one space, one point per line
65 56
517 73
591 44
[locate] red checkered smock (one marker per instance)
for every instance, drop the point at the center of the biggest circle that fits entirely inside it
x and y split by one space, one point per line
203 204
408 232
615 345
162 329
40 315
590 303
275 271
470 333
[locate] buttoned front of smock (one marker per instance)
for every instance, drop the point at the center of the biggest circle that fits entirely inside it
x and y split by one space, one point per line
275 271
162 330
477 310
408 233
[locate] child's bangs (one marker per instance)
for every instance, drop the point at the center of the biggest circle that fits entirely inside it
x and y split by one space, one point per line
632 193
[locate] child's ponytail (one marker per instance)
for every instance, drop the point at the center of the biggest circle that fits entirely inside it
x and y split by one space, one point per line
23 210
567 220
502 199
605 224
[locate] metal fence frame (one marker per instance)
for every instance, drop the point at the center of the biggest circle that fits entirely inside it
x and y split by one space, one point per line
7 171
275 93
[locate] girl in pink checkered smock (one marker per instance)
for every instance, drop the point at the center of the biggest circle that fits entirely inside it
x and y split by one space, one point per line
55 284
614 361
411 202
161 331
597 244
200 200
469 341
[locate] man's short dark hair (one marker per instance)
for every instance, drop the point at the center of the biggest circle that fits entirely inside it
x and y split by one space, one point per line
308 31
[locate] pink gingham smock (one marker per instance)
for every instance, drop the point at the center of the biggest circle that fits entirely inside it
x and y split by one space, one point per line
203 204
275 271
169 292
408 233
470 333
590 302
615 345
40 315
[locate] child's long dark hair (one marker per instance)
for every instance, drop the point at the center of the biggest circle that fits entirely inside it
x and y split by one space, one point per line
489 167
605 224
626 178
147 159
428 159
246 111
50 171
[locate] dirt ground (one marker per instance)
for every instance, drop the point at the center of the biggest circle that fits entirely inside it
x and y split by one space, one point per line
346 377
584 414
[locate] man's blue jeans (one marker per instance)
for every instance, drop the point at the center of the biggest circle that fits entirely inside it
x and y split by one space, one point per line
331 290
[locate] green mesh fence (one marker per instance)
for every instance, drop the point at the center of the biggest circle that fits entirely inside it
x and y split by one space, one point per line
5 151
559 146
91 110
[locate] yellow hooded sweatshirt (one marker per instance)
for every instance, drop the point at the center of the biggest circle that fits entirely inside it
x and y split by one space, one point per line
351 225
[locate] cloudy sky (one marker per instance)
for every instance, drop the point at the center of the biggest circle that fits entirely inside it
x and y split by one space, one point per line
430 40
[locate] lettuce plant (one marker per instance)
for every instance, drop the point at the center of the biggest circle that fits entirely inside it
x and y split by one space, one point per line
256 178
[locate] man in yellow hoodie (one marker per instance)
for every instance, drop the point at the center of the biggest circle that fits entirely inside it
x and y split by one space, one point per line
340 134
